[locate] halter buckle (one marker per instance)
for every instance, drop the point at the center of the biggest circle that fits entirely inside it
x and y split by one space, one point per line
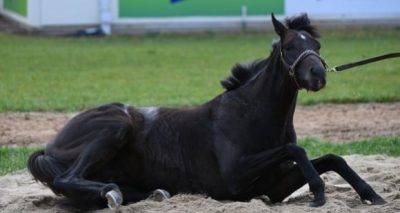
291 71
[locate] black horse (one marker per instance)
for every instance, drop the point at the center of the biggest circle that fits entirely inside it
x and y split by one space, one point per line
239 145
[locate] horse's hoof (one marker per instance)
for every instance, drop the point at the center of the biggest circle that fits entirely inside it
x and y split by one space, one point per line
379 201
114 199
317 202
375 201
160 195
371 197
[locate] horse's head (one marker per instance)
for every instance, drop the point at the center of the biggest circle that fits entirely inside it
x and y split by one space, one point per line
299 52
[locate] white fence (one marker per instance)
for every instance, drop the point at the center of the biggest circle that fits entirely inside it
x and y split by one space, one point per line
348 9
42 14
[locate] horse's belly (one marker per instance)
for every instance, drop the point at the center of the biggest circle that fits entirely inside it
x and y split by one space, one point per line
178 171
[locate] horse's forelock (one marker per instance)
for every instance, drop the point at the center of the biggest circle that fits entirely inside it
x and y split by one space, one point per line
302 22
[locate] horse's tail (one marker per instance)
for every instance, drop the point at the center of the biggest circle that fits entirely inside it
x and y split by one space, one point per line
44 168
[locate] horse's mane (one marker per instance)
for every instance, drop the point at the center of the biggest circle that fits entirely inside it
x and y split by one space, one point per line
302 22
242 73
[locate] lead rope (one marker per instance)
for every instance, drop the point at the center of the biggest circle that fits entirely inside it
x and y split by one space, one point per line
363 62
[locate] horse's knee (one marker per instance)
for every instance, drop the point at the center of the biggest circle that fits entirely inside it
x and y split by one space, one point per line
317 185
333 157
336 162
296 151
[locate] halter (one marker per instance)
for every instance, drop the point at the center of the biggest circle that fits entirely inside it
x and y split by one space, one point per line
299 59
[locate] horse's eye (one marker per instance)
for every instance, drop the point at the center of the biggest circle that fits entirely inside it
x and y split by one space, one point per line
289 47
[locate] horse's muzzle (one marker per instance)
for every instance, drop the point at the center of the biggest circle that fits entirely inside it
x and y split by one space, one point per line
318 78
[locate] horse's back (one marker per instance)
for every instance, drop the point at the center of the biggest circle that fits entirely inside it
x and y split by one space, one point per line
86 127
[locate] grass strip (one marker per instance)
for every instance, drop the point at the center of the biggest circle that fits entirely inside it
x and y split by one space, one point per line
14 158
382 145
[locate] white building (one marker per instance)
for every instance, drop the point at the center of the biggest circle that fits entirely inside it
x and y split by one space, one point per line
138 16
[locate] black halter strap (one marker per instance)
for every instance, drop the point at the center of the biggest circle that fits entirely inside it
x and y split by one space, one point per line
299 59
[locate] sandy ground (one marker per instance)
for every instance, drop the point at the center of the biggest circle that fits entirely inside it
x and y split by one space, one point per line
337 123
333 122
19 193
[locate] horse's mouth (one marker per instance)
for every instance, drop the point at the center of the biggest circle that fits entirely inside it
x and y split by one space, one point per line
316 85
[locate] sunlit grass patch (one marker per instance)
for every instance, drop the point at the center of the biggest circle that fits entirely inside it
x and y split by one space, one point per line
70 74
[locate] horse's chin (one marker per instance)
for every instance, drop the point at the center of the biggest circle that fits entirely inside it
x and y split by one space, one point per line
315 85
314 88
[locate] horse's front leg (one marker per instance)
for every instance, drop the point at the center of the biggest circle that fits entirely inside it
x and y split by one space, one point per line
293 180
248 168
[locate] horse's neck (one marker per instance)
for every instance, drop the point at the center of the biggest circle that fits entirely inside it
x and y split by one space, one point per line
274 90
275 95
264 106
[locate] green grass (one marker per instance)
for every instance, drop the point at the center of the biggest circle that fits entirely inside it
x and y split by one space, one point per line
69 74
384 145
12 159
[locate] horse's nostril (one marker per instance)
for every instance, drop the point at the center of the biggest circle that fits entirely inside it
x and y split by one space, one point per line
314 70
318 71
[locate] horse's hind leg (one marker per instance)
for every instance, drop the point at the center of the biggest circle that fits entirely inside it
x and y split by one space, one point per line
294 179
100 149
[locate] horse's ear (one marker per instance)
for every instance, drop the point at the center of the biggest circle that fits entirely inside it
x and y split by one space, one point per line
280 29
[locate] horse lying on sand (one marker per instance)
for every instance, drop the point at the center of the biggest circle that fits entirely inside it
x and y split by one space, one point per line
237 146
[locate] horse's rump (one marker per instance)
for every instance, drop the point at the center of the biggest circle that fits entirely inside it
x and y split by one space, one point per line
111 121
114 120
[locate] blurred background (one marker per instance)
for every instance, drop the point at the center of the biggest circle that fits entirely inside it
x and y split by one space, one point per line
143 16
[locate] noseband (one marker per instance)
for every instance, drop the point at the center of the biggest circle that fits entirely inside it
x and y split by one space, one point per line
298 60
